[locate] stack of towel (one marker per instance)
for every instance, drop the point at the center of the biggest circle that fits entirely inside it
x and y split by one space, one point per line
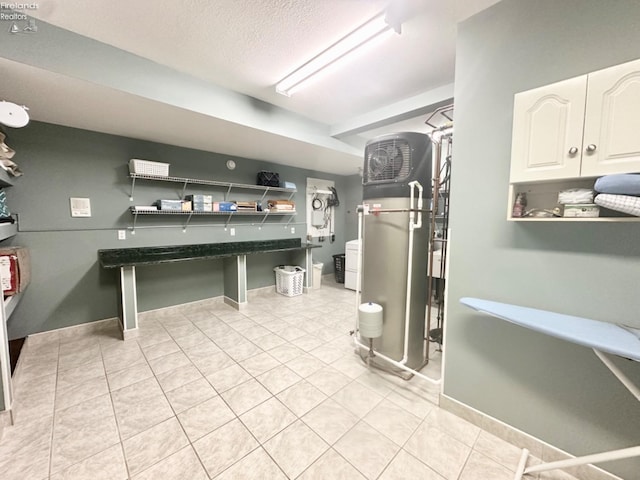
619 192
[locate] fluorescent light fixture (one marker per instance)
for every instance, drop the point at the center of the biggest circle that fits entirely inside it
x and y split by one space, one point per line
363 35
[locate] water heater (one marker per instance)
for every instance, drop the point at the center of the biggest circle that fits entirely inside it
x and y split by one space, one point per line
394 265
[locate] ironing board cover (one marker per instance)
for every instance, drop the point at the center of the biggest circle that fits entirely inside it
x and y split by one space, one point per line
602 336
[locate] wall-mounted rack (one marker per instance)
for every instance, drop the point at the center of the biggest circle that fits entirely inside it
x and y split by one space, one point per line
212 183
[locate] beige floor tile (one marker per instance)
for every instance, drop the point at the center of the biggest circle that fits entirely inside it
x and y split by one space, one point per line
256 332
38 386
411 402
228 340
204 418
228 377
330 420
211 364
160 349
81 392
129 376
35 401
152 337
301 397
269 341
357 398
137 417
328 380
392 421
202 350
305 365
268 419
178 377
331 465
455 426
327 353
290 333
82 431
504 453
406 466
90 354
130 356
438 450
365 447
225 446
181 330
169 362
245 396
191 340
149 447
106 465
77 375
190 395
307 342
295 448
243 351
182 465
380 382
136 392
278 379
285 353
479 466
259 364
255 466
351 365
25 450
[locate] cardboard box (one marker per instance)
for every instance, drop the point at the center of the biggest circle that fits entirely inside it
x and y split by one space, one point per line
15 269
200 198
224 207
581 210
202 207
173 205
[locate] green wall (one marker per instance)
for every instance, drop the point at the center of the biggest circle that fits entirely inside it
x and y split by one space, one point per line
554 390
68 287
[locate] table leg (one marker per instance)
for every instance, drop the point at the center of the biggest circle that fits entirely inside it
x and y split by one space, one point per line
128 301
235 281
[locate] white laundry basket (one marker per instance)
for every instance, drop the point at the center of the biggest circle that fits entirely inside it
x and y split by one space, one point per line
289 280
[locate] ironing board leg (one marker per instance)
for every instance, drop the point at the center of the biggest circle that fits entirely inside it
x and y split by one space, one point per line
522 465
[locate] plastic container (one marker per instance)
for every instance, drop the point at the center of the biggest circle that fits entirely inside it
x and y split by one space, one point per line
146 167
289 280
317 275
339 266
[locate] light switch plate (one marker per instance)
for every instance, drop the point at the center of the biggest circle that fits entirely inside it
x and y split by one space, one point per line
122 234
233 231
293 229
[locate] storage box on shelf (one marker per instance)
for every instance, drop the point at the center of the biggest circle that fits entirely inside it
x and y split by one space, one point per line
567 134
208 205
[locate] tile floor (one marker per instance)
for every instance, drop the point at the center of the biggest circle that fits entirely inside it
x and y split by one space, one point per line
206 392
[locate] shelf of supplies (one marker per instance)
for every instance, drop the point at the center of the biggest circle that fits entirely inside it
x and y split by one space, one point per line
212 183
6 180
228 215
575 219
10 304
8 230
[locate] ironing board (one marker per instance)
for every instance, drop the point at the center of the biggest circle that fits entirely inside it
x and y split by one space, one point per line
602 337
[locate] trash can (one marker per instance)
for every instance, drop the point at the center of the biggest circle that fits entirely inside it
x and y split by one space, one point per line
338 266
317 275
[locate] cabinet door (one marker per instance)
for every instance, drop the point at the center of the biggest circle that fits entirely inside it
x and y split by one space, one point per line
547 131
612 122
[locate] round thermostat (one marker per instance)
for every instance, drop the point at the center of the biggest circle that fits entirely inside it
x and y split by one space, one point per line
231 164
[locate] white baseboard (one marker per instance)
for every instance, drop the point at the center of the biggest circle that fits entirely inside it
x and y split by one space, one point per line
537 447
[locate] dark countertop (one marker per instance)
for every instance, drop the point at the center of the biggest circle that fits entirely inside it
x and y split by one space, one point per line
120 257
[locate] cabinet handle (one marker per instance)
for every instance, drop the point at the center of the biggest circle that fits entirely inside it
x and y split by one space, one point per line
591 147
573 150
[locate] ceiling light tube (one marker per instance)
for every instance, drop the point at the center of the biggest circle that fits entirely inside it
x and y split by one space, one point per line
342 48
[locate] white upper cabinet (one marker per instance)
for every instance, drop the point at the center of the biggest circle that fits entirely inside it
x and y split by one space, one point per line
582 127
547 131
612 122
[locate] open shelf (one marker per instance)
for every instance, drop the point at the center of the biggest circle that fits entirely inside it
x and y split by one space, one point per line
10 304
239 213
8 230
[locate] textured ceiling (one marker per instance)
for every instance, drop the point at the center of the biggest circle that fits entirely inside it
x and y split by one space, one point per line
241 46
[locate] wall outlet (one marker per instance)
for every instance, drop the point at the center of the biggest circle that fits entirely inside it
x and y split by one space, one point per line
233 231
293 229
122 234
